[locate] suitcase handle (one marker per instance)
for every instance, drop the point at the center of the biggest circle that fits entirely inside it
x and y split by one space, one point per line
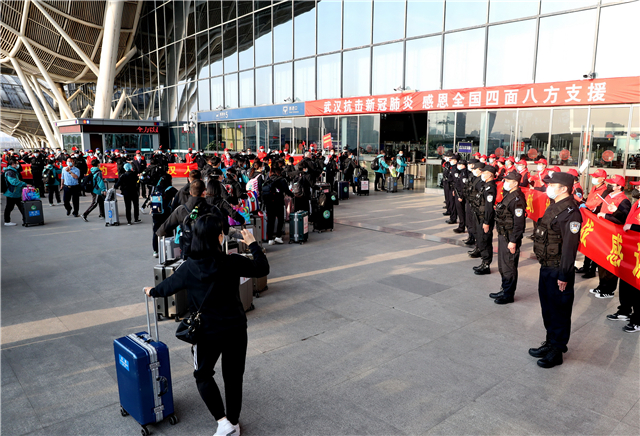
155 313
162 250
166 385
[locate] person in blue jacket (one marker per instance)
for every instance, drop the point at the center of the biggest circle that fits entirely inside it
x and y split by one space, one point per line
401 164
381 171
51 178
99 191
13 193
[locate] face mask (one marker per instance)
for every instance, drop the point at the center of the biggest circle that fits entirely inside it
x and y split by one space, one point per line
460 167
476 173
551 173
70 164
635 193
520 168
491 160
507 187
540 167
482 160
595 181
455 162
551 192
609 187
484 177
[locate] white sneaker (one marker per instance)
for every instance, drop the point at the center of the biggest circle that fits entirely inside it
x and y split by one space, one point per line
51 205
14 224
155 254
225 428
272 242
594 290
278 241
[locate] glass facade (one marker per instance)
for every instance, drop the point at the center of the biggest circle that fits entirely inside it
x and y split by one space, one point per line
199 56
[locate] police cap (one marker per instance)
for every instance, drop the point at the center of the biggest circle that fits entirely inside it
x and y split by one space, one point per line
217 172
489 169
477 165
462 162
449 153
513 175
565 179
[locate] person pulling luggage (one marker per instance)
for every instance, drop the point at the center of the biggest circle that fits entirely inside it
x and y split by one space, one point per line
510 222
128 184
485 220
212 280
167 192
379 166
273 191
98 192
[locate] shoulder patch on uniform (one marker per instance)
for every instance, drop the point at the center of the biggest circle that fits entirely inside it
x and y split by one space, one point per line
519 212
574 226
489 198
464 180
487 188
457 174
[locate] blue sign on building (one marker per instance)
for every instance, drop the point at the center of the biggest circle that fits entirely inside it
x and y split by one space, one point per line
275 111
465 147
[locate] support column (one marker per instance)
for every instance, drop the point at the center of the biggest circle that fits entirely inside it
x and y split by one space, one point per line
108 58
34 103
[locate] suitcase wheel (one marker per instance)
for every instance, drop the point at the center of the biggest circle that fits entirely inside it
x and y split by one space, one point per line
173 420
159 317
41 224
116 224
123 412
145 431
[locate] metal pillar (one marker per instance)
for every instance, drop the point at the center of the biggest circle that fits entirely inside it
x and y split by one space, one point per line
52 116
34 103
108 57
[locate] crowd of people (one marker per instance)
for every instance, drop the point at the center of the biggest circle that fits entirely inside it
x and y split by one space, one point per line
471 201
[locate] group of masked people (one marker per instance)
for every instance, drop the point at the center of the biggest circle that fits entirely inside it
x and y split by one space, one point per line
471 198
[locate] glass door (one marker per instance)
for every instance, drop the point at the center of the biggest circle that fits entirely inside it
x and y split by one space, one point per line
633 153
501 134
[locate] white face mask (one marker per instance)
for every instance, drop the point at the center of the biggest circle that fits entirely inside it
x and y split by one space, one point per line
551 192
453 163
460 167
482 160
595 181
507 186
551 173
491 160
484 177
540 167
476 173
520 167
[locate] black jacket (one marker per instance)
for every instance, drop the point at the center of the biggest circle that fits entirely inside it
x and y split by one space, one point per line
182 196
37 166
167 198
279 188
180 213
128 184
226 210
222 310
139 165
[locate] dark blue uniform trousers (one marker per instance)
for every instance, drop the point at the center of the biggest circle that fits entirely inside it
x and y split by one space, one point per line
556 307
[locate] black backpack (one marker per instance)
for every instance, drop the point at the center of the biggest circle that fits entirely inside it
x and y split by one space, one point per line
186 231
87 183
268 188
296 187
375 164
49 177
5 184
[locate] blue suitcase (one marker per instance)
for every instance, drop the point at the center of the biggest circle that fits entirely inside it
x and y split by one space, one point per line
343 190
144 377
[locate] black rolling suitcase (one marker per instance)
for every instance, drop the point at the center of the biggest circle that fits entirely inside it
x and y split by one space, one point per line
324 215
392 184
408 181
362 188
33 214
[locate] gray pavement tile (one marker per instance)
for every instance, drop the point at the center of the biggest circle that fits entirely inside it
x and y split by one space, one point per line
416 330
524 333
610 390
29 326
17 303
412 284
513 403
8 376
447 313
625 429
18 417
380 294
349 307
105 421
632 417
71 393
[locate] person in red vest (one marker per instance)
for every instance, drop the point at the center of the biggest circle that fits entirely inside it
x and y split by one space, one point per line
629 308
191 156
538 180
554 170
509 164
226 158
578 192
615 208
261 153
483 158
502 171
521 167
598 191
492 160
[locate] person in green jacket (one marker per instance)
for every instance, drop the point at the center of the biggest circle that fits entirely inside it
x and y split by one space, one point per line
51 179
98 192
381 171
13 192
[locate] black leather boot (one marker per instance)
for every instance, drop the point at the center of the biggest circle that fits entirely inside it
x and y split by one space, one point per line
483 269
541 351
496 294
474 254
552 358
470 241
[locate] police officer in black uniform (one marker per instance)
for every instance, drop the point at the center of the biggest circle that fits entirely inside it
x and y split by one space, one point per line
475 200
485 219
453 175
446 167
510 223
469 194
555 244
459 186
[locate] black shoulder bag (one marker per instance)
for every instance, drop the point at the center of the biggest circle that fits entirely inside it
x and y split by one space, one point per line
189 328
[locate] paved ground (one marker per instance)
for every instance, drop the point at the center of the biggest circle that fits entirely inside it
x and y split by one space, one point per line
379 327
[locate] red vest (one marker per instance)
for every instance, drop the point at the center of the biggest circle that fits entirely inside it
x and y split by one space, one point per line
537 179
634 214
615 200
191 158
593 200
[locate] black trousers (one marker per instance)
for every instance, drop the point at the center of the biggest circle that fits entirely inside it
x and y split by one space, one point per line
379 177
232 346
72 195
143 190
131 200
400 178
96 200
460 212
470 220
447 196
556 307
484 242
508 266
157 222
589 265
53 190
10 204
274 210
608 281
629 302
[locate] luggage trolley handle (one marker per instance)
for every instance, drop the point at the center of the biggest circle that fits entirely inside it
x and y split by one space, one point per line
162 250
155 313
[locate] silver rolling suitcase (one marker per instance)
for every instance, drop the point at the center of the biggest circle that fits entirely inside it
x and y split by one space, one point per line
176 305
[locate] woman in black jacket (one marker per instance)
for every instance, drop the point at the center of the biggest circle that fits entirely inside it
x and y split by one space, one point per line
273 200
214 198
168 193
128 184
212 280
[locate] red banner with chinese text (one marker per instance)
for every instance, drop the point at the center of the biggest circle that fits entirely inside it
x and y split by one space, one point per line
537 201
611 247
573 93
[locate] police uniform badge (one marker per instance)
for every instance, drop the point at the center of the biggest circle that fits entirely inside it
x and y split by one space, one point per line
456 174
464 180
574 226
519 212
489 198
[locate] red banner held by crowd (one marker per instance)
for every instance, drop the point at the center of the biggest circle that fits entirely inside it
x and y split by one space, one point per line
611 247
